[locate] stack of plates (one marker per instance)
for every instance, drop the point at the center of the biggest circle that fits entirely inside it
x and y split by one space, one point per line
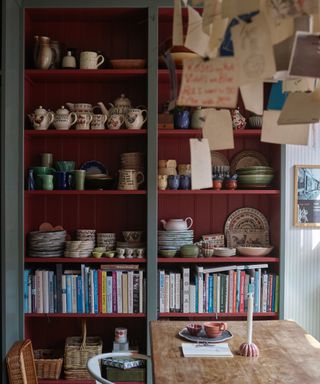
174 239
132 160
255 176
46 244
224 252
79 248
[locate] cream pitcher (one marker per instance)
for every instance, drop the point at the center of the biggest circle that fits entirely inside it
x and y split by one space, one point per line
177 224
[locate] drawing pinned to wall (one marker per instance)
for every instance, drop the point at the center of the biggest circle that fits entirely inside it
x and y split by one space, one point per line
307 196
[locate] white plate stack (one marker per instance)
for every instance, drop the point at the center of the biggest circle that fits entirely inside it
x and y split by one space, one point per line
132 160
174 239
224 252
79 248
46 243
107 240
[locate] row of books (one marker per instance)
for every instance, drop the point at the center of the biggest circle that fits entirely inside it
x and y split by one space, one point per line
218 290
110 289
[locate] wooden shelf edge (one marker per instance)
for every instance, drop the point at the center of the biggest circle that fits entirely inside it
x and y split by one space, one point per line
64 381
274 315
83 260
274 192
85 133
84 315
224 260
111 192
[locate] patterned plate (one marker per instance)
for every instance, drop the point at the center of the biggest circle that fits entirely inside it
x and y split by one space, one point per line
246 159
202 337
94 167
218 158
247 227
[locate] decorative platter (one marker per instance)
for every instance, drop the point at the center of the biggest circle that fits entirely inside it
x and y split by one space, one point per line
94 167
246 159
218 158
247 227
202 337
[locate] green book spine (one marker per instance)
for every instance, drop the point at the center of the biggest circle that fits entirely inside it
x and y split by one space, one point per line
125 375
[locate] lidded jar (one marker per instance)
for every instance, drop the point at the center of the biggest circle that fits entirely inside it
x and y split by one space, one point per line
63 119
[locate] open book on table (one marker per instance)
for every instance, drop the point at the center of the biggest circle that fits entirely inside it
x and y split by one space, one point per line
206 350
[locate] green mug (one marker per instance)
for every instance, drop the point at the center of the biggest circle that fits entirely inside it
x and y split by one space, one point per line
65 165
41 171
46 182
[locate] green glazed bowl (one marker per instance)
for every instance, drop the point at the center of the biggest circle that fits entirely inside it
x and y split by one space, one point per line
189 250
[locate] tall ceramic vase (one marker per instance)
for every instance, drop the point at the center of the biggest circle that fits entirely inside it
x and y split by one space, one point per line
44 55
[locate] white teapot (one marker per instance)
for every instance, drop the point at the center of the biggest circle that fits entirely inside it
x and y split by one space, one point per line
41 118
121 105
63 119
177 224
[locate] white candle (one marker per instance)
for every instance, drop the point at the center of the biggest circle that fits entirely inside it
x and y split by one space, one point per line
249 318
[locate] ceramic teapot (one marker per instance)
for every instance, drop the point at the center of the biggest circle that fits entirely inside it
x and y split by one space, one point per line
63 119
41 118
177 224
121 104
134 118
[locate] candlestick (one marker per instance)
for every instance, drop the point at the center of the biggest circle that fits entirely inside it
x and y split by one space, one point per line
249 318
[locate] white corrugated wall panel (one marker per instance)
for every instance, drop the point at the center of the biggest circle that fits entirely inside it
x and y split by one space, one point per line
302 247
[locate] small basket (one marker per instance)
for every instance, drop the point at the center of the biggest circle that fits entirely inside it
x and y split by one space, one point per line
48 363
77 351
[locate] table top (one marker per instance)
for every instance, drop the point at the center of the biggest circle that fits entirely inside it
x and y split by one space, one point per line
288 355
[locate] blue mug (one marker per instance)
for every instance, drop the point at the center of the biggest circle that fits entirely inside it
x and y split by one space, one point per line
62 180
173 181
185 182
181 119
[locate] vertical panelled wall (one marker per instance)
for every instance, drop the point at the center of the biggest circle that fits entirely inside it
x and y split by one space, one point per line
302 247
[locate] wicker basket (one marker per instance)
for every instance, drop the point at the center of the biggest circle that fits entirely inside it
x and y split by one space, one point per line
48 363
77 351
20 363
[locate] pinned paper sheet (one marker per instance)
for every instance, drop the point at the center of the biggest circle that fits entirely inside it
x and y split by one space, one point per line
211 8
305 56
304 84
281 28
276 98
201 168
252 96
218 29
218 129
253 50
211 83
283 134
196 40
300 108
234 8
177 30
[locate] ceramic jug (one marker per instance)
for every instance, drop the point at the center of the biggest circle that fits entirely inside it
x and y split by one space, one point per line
177 224
63 119
41 118
134 118
43 53
130 179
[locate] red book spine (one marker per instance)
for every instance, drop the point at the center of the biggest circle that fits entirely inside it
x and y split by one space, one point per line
242 282
114 292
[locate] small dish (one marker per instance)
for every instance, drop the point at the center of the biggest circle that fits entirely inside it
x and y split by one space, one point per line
94 167
254 251
194 329
109 254
167 252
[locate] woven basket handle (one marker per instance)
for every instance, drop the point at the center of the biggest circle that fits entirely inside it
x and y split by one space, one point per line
84 334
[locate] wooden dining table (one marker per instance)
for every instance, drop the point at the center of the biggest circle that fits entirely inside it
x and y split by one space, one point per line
288 355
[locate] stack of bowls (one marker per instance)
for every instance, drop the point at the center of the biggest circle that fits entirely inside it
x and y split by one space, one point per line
132 160
170 240
106 240
167 167
86 235
255 177
78 248
46 243
224 252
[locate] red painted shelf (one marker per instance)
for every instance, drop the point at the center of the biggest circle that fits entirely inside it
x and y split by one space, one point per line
274 315
83 260
84 315
111 192
231 259
247 133
221 192
86 133
82 75
175 133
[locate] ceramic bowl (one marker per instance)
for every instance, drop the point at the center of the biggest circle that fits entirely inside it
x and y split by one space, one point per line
194 329
97 255
109 254
255 121
254 251
132 235
189 250
255 179
167 252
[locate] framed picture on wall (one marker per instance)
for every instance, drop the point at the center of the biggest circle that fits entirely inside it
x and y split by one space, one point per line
307 196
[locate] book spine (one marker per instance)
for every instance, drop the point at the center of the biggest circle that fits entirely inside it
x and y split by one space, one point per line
109 292
210 294
91 291
119 291
130 291
264 291
26 290
83 281
63 294
114 292
177 305
34 292
226 294
103 292
142 290
222 288
86 289
136 293
69 293
45 289
99 272
238 291
200 289
59 287
74 293
270 288
192 298
206 293
95 292
125 292
276 306
172 291
167 293
186 288
214 295
274 277
79 295
246 290
30 277
51 291
242 282
218 292
230 304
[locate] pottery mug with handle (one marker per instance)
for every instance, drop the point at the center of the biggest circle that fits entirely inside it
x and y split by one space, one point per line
84 120
135 118
130 179
90 60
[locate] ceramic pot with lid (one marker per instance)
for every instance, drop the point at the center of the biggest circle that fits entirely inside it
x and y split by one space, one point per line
177 224
63 119
121 105
41 118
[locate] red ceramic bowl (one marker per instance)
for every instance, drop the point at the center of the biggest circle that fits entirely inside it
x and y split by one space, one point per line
194 329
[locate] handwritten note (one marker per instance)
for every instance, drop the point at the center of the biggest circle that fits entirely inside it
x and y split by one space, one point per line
233 8
201 168
211 83
252 96
283 134
253 50
177 30
218 129
196 40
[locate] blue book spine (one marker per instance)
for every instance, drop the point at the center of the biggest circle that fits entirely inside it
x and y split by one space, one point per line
238 291
197 292
256 291
51 292
25 291
109 293
86 287
95 291
79 294
274 277
69 293
210 294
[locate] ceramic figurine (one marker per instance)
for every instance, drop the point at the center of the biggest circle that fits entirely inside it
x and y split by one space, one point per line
238 121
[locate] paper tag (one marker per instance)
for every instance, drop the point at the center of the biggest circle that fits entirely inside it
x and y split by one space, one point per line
300 108
218 129
211 83
283 134
233 8
252 96
201 168
253 50
196 40
304 84
177 30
